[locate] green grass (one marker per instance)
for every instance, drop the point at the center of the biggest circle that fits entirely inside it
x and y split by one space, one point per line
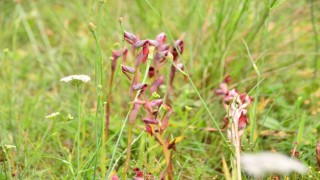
269 48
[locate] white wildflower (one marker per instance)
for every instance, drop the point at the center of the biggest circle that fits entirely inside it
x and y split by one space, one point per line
53 115
262 163
76 78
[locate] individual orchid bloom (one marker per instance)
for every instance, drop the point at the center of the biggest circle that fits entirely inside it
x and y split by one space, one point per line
148 129
134 113
160 56
227 79
151 72
165 47
130 38
138 174
143 43
243 121
223 91
140 87
150 120
245 100
143 54
153 43
162 49
165 121
153 103
156 84
161 38
236 111
180 66
127 70
149 107
230 96
118 53
156 102
115 55
177 49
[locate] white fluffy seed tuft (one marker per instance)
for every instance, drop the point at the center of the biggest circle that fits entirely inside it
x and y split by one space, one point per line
262 163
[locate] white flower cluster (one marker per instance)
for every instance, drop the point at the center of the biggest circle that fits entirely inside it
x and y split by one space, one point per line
262 163
76 78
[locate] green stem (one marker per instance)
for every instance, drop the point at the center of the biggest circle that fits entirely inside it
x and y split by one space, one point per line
78 131
99 63
127 163
99 83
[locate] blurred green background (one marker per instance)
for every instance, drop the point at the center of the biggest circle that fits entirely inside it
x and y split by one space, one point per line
43 41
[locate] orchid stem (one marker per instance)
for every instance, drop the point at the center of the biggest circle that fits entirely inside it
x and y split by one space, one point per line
127 163
106 130
131 124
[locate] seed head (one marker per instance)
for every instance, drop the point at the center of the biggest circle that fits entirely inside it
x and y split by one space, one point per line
120 19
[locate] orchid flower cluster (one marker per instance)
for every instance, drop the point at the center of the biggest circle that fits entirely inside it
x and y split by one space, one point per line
159 53
236 106
236 119
156 54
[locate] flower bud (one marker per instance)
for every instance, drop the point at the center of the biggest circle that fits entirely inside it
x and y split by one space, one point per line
92 26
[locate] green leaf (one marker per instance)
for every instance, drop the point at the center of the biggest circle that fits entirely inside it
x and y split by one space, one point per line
272 123
301 127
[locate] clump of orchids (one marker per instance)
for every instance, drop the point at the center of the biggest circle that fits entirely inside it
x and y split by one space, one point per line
236 120
153 55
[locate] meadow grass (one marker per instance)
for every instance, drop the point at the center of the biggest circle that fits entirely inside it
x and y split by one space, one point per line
269 48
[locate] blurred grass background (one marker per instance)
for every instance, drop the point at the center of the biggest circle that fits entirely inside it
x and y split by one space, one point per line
43 41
